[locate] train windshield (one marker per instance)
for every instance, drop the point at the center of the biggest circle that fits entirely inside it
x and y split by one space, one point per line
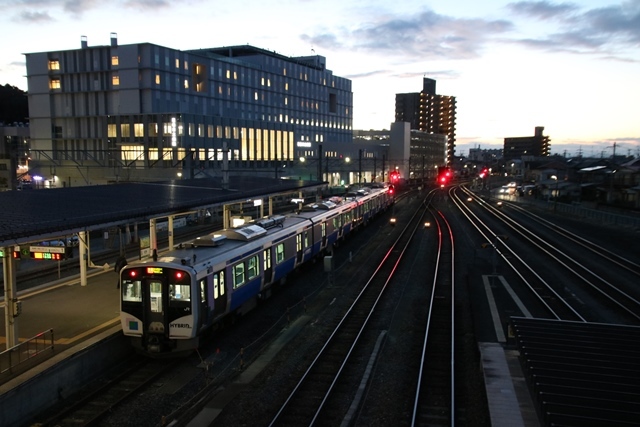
161 285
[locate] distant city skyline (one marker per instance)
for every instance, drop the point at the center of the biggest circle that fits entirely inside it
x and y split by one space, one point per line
571 68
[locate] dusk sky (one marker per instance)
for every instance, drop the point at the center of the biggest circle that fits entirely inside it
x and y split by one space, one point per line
572 67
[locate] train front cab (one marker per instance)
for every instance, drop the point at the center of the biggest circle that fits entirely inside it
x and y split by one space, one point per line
158 308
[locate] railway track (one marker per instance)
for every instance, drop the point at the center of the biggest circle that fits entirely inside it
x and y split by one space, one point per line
434 403
326 391
91 406
583 269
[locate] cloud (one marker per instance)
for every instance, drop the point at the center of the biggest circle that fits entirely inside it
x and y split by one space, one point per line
609 30
542 9
425 35
35 17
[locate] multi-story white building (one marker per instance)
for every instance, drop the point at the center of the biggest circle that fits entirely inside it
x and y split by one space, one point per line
136 112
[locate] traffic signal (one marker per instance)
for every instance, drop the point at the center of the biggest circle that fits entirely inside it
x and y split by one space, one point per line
394 176
444 175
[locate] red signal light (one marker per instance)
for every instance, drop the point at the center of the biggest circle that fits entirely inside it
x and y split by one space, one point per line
133 273
179 275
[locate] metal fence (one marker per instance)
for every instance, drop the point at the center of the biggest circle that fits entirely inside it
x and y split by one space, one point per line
26 351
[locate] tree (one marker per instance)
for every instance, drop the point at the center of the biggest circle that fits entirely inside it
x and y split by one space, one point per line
14 106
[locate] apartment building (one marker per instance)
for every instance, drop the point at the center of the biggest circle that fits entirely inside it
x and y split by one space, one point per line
429 112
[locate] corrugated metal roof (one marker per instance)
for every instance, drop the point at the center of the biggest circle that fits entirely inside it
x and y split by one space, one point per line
33 214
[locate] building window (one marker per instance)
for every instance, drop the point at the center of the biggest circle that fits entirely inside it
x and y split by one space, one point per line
54 84
54 65
125 130
138 130
186 83
111 130
114 60
115 80
177 63
157 79
132 153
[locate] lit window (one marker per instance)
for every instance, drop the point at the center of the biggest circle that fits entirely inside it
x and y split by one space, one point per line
228 74
186 84
114 60
235 75
132 152
54 84
115 80
279 253
177 63
186 65
138 130
238 275
255 96
125 130
54 64
157 79
111 130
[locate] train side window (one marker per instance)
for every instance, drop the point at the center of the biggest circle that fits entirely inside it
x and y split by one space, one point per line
279 253
267 259
131 290
179 292
298 242
306 239
324 229
218 284
252 267
238 275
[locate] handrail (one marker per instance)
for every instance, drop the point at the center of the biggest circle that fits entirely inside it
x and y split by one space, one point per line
26 350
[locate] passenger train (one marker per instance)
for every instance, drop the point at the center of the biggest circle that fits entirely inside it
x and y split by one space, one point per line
168 303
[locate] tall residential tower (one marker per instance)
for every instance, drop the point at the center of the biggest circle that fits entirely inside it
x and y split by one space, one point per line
429 112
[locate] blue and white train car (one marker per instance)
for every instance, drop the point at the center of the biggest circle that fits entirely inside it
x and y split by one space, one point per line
168 303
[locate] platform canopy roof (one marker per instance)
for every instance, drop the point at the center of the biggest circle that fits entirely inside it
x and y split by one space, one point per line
32 215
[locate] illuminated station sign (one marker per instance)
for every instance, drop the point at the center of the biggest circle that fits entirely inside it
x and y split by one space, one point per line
55 253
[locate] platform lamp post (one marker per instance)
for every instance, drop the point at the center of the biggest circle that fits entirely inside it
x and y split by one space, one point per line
360 167
555 199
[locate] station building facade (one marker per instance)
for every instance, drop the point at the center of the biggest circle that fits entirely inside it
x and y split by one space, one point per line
143 112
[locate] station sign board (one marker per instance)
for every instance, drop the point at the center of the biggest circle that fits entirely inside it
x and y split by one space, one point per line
55 253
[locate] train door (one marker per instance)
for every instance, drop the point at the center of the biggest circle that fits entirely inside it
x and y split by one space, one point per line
204 298
299 248
268 267
323 232
219 294
155 305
